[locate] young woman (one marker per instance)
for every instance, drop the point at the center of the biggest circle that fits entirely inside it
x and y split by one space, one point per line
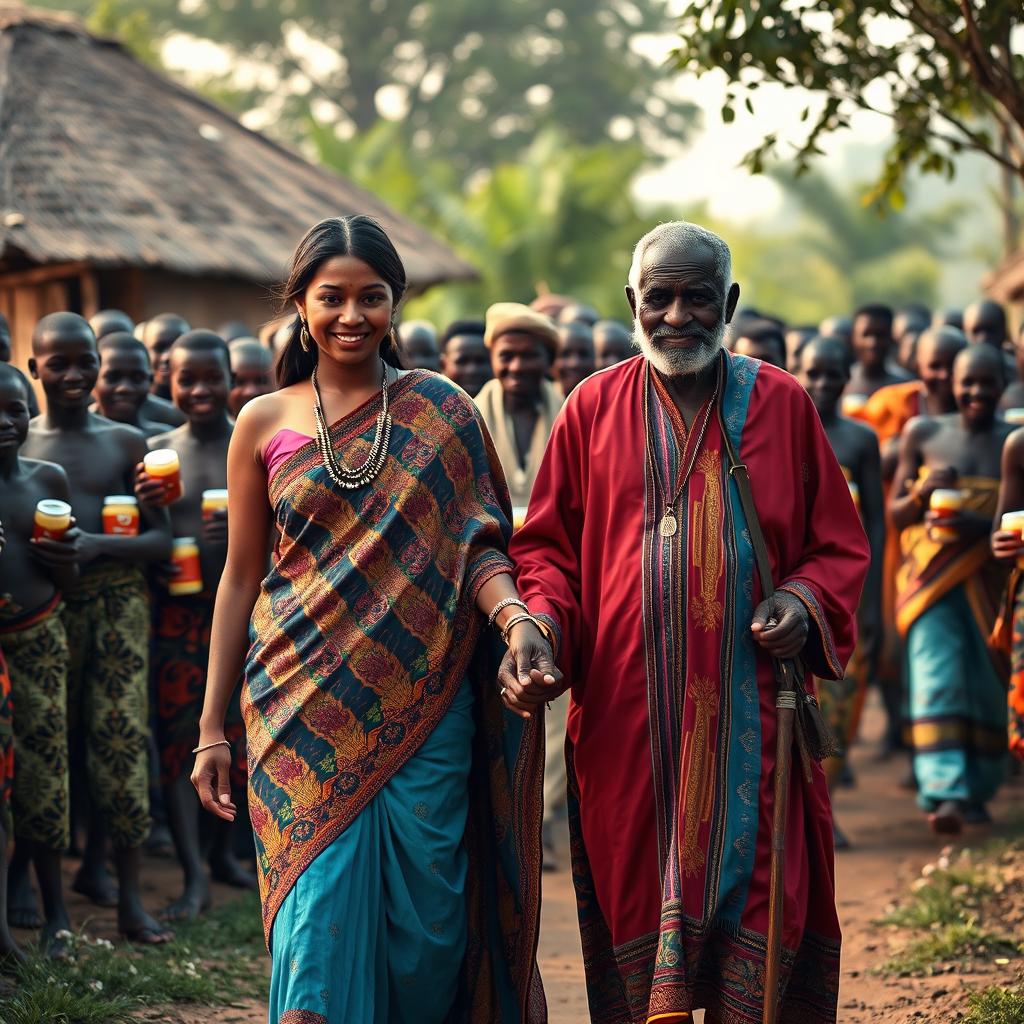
394 790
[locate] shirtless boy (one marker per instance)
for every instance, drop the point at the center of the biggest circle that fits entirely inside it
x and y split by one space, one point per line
106 613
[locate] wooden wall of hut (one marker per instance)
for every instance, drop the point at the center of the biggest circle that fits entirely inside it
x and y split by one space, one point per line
28 295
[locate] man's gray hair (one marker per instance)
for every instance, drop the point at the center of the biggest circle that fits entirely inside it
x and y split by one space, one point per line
685 234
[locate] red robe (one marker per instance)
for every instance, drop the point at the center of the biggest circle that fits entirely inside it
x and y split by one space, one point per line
671 729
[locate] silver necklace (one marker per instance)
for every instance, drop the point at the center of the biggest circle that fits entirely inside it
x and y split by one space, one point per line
346 478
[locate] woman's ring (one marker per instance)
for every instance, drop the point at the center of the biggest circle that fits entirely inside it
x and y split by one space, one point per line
503 689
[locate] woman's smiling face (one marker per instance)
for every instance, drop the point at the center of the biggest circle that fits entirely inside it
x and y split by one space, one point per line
347 307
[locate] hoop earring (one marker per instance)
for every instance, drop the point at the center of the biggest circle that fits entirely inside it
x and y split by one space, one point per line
304 336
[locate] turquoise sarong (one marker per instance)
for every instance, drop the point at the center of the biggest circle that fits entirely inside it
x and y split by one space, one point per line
374 930
957 706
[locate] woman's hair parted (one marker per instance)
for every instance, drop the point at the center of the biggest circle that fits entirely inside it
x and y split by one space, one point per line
358 236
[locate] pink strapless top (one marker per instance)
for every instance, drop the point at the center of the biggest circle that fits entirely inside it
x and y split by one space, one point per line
281 447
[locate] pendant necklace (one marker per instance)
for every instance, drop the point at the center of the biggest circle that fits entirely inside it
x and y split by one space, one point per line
669 524
347 478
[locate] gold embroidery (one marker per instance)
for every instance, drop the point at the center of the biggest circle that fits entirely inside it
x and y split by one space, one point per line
698 792
706 532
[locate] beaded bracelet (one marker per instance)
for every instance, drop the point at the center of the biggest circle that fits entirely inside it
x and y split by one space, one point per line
514 621
507 602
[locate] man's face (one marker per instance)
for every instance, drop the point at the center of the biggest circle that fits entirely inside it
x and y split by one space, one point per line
575 360
123 384
680 308
419 349
935 360
467 362
14 414
200 382
986 323
872 340
611 345
252 378
67 365
159 339
765 350
977 387
823 376
520 362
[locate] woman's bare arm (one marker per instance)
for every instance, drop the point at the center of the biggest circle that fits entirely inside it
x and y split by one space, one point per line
249 524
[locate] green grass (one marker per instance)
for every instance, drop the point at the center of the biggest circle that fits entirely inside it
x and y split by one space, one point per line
996 1006
951 896
947 943
213 961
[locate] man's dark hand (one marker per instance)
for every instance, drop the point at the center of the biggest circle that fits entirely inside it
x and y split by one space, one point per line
528 676
57 553
780 625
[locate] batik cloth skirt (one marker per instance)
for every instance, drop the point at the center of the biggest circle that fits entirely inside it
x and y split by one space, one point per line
957 706
374 930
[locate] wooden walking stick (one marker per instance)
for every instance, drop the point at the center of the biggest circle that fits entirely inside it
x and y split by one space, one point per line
785 705
785 712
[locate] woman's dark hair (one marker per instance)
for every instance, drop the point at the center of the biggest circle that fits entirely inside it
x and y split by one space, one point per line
358 236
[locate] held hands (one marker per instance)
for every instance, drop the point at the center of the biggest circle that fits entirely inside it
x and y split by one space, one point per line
780 625
528 676
211 776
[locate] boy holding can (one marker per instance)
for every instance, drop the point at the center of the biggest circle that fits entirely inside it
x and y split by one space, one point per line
36 564
105 614
200 380
948 590
823 371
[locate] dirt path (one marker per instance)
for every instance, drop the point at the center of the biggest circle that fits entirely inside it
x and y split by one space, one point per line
891 845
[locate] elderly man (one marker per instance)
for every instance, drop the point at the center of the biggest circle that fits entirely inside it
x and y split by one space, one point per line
418 342
637 556
520 404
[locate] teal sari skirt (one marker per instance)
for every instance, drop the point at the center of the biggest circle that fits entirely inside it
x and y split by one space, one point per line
374 930
958 714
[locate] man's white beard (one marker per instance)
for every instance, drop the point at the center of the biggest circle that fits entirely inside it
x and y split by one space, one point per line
679 362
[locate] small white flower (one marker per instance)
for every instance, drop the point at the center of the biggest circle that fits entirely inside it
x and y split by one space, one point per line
64 935
96 986
132 969
927 870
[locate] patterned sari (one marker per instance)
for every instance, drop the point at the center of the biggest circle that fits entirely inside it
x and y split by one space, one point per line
363 634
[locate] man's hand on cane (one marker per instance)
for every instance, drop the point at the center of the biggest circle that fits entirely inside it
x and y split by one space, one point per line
780 625
528 676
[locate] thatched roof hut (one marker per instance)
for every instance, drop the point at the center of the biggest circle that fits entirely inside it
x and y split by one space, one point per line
119 187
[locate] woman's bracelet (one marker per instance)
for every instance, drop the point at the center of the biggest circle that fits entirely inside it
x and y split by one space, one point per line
210 746
507 602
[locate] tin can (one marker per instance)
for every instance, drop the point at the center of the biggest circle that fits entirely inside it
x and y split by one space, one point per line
164 465
945 503
185 557
213 501
121 515
52 519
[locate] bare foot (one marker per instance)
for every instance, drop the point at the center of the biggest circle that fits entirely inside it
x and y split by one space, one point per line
229 871
22 908
189 905
142 928
97 887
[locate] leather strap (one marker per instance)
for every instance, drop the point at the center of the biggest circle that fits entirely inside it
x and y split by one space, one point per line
738 471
